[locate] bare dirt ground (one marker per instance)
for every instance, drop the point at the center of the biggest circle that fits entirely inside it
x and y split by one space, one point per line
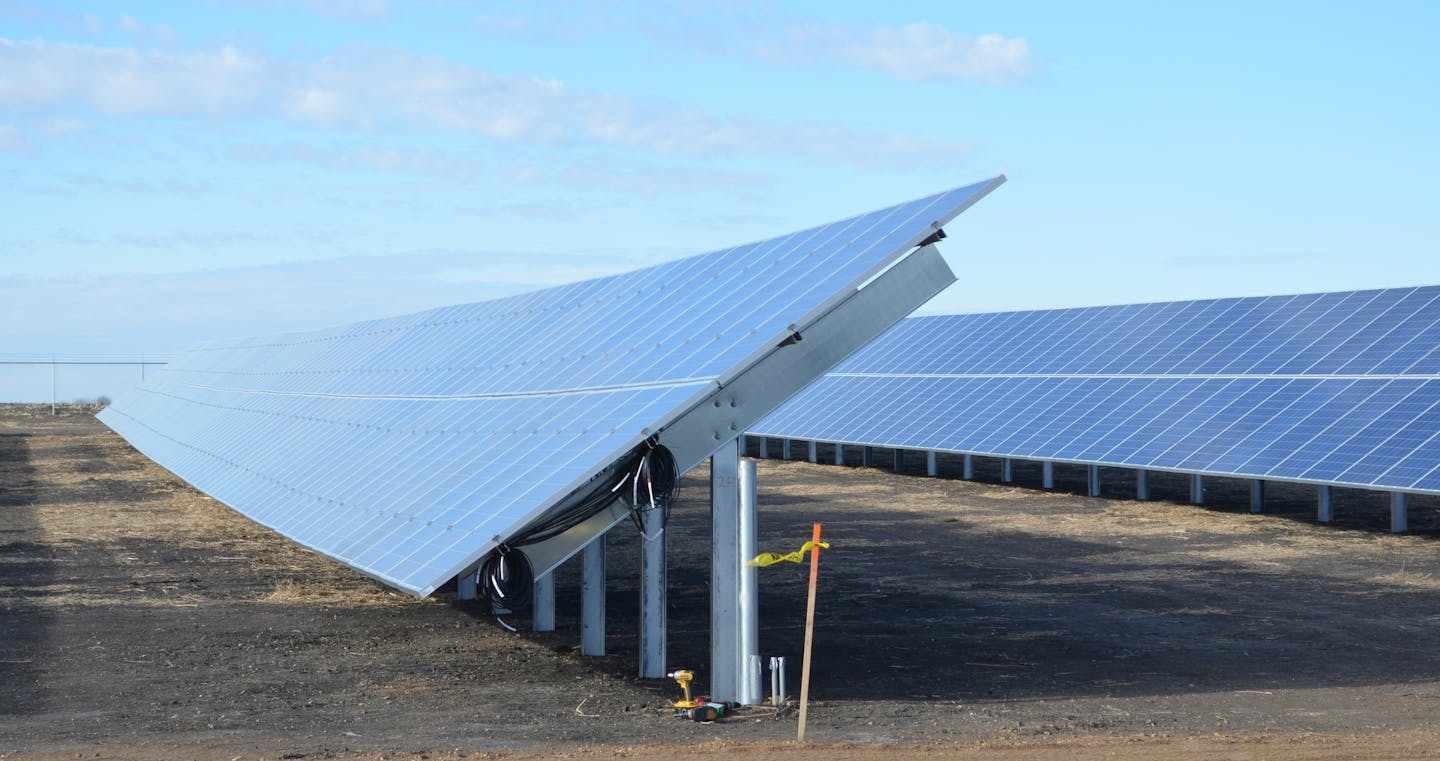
140 619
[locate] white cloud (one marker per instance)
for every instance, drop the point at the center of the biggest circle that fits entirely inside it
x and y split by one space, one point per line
365 159
12 138
376 88
126 82
918 51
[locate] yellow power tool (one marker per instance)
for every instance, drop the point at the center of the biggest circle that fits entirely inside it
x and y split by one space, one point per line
683 677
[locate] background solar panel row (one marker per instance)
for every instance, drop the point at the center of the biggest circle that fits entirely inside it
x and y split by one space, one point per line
1339 388
410 446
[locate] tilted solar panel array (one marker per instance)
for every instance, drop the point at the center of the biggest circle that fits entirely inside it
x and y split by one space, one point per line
408 447
1336 388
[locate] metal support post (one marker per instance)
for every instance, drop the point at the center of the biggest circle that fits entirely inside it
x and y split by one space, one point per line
867 457
932 468
785 449
1092 480
750 691
1323 511
592 598
764 447
744 446
899 460
1197 489
652 596
1047 475
1257 495
814 452
466 586
724 573
1007 470
52 385
967 468
839 454
543 612
1398 517
1142 484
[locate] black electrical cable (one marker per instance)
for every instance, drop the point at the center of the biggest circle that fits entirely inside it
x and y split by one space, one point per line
655 480
652 478
505 579
600 497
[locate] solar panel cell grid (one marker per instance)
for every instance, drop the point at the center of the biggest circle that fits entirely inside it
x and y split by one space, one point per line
407 446
1340 388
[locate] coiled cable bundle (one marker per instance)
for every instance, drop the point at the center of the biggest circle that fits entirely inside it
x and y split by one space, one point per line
505 580
653 483
648 481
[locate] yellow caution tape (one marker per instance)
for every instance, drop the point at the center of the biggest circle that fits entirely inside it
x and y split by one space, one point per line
798 556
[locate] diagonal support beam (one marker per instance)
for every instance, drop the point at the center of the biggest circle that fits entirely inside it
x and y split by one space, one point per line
715 419
736 403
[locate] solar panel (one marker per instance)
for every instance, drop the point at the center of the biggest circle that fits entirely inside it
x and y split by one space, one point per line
1333 388
408 447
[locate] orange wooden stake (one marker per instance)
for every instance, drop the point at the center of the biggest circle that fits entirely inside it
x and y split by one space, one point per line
809 633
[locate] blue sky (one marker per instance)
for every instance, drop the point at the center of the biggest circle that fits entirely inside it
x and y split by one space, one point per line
174 172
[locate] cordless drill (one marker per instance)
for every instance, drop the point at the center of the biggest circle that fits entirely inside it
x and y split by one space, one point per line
683 677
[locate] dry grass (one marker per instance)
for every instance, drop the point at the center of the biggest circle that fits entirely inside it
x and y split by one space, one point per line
104 496
292 592
1409 580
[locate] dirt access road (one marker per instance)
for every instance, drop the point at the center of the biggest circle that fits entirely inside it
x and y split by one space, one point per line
140 619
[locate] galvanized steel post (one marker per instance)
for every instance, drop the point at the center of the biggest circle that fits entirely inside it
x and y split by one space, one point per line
652 596
1197 489
1007 470
1398 518
543 609
750 691
1323 511
1047 475
1142 484
931 467
467 587
1257 495
724 572
1092 480
592 598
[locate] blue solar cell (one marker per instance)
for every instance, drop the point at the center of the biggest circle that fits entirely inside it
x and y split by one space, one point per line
1332 388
